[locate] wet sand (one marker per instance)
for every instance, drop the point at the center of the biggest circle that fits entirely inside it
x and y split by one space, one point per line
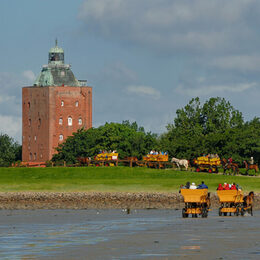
98 200
114 234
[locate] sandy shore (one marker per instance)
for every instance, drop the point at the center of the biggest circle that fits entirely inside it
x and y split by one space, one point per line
97 200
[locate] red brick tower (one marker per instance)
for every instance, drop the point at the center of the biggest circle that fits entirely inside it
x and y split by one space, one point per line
56 106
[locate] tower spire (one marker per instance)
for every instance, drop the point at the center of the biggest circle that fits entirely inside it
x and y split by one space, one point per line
56 42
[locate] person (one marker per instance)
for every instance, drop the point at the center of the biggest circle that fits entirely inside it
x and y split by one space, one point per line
233 186
230 160
187 186
226 186
193 186
202 186
220 187
251 160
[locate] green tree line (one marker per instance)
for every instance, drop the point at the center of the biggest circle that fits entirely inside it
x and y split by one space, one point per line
212 127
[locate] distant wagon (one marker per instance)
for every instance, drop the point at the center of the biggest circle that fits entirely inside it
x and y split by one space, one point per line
155 160
207 163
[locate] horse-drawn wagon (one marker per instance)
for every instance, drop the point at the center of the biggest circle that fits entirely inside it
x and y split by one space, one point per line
207 163
154 160
106 159
232 201
197 202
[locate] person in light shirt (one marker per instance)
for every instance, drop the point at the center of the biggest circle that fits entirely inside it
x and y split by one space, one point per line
193 186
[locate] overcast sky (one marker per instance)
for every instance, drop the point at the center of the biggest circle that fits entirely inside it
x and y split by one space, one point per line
143 58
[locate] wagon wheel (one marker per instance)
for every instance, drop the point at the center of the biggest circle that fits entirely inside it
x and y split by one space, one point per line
204 212
237 211
251 211
219 212
184 214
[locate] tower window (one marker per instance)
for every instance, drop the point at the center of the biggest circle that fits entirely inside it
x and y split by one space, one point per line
39 122
62 103
35 156
69 121
29 138
30 121
30 156
61 137
80 121
77 103
35 138
60 121
29 104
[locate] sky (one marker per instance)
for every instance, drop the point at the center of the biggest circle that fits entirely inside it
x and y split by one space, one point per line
144 58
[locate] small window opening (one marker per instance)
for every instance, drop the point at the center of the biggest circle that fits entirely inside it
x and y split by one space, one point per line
61 137
80 121
69 121
60 121
77 103
62 103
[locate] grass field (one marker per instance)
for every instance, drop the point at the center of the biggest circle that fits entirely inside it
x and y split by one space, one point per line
112 179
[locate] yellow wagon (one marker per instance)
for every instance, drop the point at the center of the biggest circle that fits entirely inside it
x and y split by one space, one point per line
197 202
231 202
205 163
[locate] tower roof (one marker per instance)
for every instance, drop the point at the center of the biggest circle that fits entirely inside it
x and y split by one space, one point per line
56 49
56 73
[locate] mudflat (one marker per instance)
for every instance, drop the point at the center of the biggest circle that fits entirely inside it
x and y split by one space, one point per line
99 200
115 234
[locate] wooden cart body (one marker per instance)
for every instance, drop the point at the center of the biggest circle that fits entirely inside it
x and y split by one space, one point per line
197 202
231 202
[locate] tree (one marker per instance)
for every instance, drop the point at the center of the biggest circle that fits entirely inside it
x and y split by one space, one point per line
10 151
128 139
199 129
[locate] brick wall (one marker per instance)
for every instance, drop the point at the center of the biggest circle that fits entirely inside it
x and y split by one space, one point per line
46 111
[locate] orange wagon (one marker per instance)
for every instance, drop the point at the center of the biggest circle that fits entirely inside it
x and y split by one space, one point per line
231 202
197 202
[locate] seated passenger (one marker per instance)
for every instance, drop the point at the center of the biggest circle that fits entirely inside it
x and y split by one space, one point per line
226 186
220 187
202 186
193 186
233 186
187 186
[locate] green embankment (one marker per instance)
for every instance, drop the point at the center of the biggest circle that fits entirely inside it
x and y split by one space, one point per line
112 179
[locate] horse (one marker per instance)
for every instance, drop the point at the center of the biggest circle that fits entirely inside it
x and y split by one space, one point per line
251 167
227 166
181 162
248 202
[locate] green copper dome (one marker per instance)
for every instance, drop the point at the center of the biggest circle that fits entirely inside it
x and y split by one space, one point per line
56 73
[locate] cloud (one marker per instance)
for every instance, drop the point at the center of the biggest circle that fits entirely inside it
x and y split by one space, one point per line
144 91
11 101
244 63
29 75
202 89
176 25
12 126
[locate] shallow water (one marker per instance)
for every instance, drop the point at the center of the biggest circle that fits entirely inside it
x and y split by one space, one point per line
114 234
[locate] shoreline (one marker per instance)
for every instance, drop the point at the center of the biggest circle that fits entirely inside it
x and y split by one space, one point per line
99 200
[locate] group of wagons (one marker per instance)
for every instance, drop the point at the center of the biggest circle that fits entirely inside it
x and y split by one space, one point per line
197 202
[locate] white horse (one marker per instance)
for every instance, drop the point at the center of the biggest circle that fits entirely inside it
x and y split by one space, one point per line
181 162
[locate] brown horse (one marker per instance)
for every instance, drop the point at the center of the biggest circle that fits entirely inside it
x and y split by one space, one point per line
251 167
248 202
230 166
